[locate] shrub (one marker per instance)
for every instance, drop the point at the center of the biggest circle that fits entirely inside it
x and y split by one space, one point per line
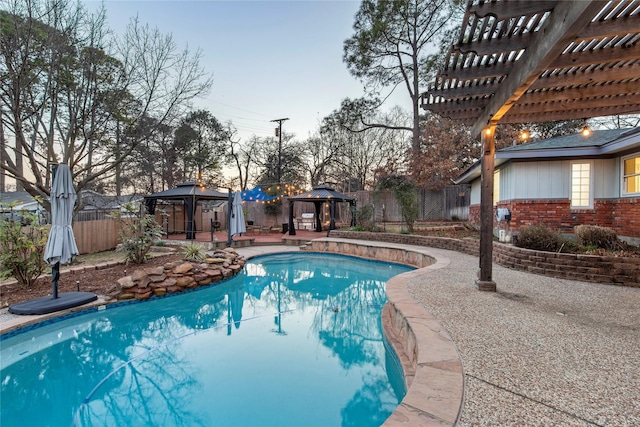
596 237
541 238
404 191
138 233
364 218
22 255
193 252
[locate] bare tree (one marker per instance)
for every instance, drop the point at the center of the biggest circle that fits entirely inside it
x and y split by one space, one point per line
364 152
617 122
394 46
76 95
241 156
204 138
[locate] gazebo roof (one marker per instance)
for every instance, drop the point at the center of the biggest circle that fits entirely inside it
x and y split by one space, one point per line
536 61
188 189
321 192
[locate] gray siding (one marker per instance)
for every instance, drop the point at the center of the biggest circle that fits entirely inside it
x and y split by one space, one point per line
551 180
475 192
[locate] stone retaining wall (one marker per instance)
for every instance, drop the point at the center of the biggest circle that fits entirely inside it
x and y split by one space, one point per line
382 253
588 268
467 245
178 276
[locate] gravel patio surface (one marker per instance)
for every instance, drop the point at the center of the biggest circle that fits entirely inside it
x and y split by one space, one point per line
540 351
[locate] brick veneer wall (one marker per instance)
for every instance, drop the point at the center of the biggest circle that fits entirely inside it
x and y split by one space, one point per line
622 215
587 268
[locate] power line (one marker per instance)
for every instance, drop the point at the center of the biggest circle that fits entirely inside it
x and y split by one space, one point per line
238 108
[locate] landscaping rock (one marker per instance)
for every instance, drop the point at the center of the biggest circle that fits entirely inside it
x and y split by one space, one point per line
126 282
183 268
178 276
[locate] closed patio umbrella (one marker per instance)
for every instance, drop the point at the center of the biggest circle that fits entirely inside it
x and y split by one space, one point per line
61 244
236 225
61 248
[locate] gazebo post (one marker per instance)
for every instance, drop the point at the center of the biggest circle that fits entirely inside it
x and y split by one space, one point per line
229 206
318 206
352 204
292 229
189 203
332 214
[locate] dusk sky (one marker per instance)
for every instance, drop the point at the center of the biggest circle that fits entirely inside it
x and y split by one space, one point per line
269 59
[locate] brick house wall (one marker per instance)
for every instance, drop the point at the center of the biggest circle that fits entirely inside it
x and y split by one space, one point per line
621 215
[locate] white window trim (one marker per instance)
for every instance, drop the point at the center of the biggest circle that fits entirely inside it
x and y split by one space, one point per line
622 189
591 183
496 187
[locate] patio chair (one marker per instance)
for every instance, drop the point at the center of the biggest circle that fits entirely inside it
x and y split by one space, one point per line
265 229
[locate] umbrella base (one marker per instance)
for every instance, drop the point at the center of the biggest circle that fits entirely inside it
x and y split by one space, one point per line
49 304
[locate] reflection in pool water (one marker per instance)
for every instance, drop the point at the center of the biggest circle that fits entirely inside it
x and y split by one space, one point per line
294 340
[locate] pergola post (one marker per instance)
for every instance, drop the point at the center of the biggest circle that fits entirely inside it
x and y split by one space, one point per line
485 280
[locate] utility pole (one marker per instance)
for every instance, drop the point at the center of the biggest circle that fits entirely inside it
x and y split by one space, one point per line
279 135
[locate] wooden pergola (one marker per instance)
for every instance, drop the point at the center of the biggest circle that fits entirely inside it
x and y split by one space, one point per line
519 61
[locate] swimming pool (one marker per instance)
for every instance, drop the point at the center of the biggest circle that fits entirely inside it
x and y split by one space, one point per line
294 339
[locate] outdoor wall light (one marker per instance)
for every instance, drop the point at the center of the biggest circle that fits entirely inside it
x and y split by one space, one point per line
586 131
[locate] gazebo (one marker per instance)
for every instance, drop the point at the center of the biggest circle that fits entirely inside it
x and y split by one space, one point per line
190 193
319 195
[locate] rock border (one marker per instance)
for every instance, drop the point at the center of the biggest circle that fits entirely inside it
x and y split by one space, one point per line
178 276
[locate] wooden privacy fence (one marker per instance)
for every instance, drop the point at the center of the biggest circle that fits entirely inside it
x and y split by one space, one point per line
96 236
452 202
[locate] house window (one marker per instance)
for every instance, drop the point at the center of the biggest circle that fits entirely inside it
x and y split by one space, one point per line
631 175
581 196
496 187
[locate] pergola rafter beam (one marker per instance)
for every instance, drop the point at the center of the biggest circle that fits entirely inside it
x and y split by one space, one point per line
512 9
536 101
587 111
567 20
578 59
595 30
591 76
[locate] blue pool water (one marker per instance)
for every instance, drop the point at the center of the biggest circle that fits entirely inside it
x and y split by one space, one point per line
293 340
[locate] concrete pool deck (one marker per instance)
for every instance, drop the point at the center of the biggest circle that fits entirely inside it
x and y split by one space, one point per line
539 352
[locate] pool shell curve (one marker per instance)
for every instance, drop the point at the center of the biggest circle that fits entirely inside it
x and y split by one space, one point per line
430 361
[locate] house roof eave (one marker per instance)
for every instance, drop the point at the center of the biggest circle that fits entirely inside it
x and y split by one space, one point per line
474 171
